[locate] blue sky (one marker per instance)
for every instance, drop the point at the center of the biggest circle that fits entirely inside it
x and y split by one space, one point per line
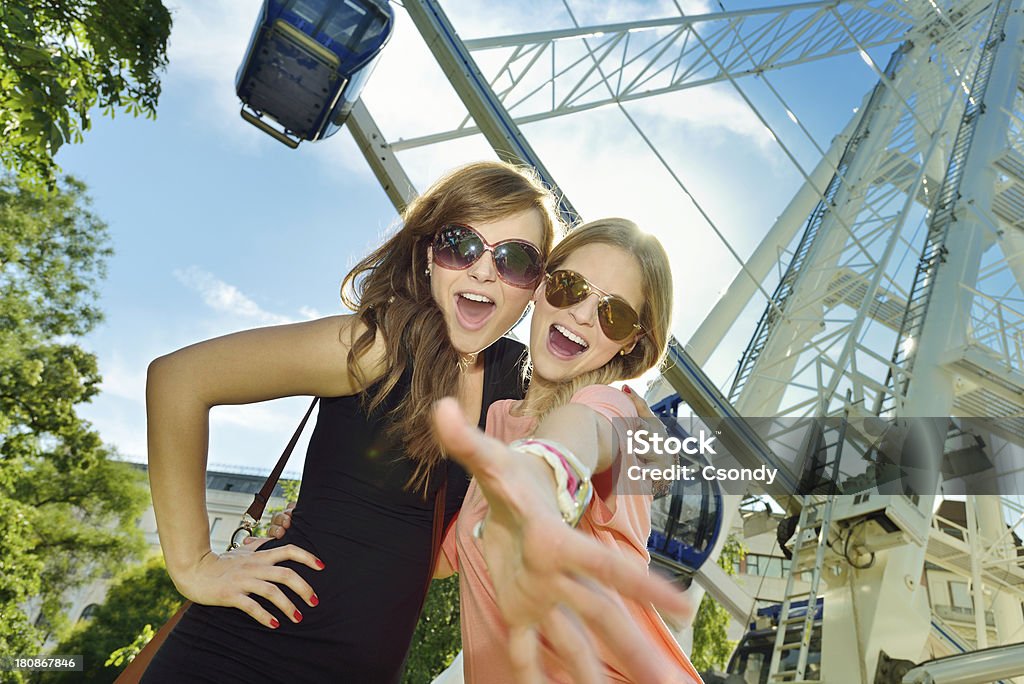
217 227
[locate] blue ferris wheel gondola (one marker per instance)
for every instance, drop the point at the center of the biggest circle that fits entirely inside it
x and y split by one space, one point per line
307 62
687 521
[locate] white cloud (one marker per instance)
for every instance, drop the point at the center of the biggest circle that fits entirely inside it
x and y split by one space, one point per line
269 417
124 379
475 19
225 298
209 37
408 94
633 10
310 313
715 108
207 43
120 423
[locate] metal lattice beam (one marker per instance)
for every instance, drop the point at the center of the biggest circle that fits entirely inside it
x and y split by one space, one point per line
554 73
847 289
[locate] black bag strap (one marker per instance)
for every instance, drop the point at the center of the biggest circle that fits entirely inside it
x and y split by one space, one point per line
259 502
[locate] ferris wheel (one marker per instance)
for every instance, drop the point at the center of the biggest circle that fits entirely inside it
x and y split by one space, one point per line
890 287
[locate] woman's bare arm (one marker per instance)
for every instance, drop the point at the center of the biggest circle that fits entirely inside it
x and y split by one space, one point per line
256 365
584 432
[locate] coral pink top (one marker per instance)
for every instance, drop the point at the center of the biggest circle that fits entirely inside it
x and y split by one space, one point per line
620 522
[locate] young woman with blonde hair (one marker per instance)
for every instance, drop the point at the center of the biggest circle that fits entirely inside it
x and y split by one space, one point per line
602 315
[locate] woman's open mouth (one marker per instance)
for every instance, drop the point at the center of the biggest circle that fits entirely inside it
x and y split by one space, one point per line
473 310
564 343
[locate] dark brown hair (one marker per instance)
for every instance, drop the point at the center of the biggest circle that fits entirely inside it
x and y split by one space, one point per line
390 293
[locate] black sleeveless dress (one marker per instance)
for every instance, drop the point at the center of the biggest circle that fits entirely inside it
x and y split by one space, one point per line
375 541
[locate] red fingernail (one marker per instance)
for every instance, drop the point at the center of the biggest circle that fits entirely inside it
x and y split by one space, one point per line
627 390
314 601
274 624
320 564
298 616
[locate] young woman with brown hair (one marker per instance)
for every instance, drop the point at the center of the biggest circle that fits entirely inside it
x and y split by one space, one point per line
431 306
344 589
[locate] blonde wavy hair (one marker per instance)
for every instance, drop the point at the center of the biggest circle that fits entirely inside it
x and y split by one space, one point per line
390 293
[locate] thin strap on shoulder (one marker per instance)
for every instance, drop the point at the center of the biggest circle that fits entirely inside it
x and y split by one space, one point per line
259 502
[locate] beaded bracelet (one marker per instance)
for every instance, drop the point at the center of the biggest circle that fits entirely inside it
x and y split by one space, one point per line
573 487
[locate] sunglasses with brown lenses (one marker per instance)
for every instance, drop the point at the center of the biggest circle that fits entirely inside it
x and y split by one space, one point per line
617 318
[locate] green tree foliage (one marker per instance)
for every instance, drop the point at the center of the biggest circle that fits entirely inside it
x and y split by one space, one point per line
711 646
438 637
140 597
67 509
126 654
59 59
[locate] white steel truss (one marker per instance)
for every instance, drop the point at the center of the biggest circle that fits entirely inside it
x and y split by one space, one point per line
860 280
553 73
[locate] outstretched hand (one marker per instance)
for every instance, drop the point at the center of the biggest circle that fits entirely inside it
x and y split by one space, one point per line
550 580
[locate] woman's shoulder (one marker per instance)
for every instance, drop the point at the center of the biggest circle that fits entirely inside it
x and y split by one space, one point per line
606 400
504 424
502 407
341 333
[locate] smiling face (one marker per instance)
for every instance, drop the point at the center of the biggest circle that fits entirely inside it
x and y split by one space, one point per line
565 343
478 306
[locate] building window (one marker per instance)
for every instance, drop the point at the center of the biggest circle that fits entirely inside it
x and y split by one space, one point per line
89 611
213 525
960 597
766 566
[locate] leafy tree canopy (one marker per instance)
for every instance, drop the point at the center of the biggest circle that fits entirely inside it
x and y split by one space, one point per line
438 636
67 508
59 59
711 645
141 596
